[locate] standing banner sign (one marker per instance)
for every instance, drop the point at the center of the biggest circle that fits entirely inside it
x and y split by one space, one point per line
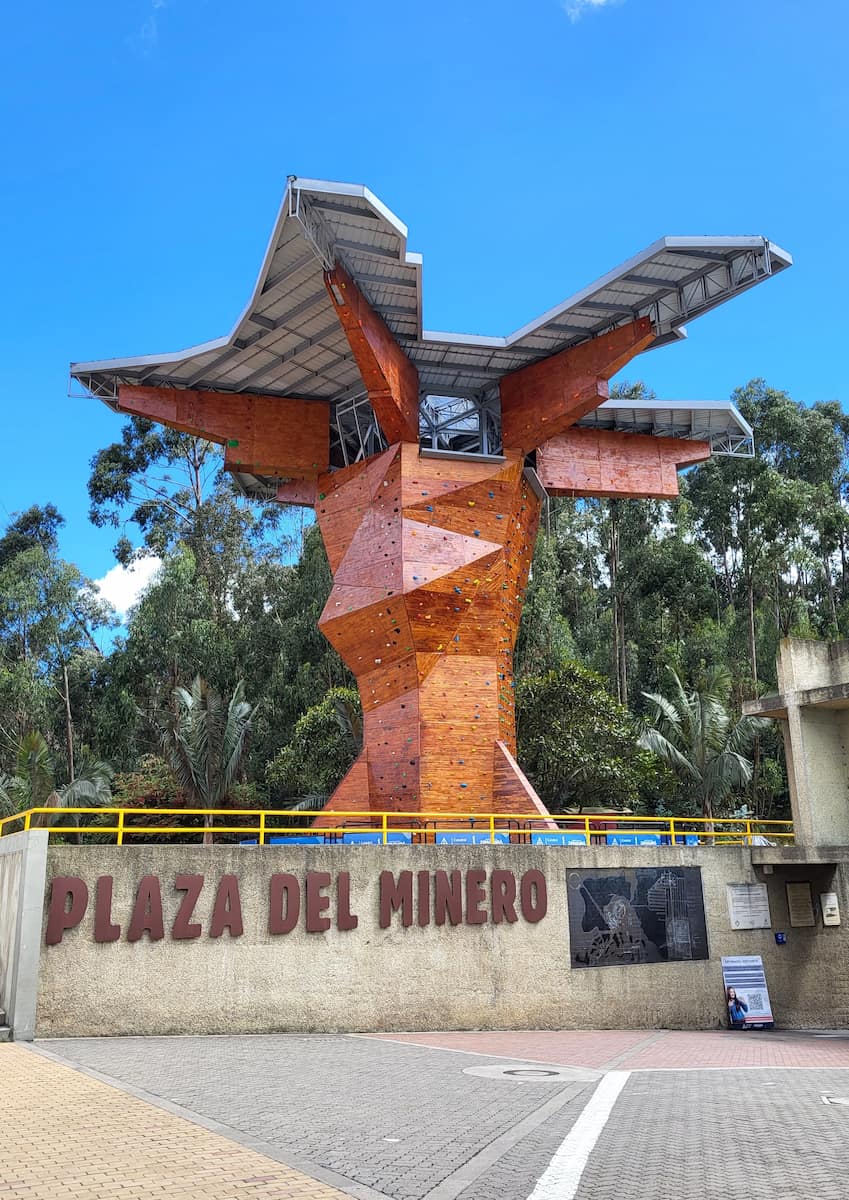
747 1003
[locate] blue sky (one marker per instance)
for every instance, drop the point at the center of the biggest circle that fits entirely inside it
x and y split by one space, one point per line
529 147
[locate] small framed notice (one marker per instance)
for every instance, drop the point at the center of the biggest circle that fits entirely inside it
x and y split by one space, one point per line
830 908
800 904
748 905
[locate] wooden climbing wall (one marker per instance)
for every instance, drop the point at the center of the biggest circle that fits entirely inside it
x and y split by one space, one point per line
430 560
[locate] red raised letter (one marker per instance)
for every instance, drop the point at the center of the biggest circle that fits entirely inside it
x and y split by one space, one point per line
227 909
394 896
184 928
533 896
345 919
147 911
502 886
423 899
475 896
279 886
447 897
316 902
60 915
104 929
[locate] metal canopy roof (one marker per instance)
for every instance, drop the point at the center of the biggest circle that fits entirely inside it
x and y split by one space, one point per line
289 342
714 421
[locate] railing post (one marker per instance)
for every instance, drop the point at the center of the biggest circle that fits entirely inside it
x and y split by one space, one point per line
27 816
672 831
587 830
748 833
262 828
492 829
120 838
384 820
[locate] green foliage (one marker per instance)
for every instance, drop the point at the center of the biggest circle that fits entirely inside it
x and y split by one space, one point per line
324 744
578 746
627 591
694 733
34 783
203 740
151 785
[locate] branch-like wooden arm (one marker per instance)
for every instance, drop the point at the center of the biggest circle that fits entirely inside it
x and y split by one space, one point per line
390 378
603 462
544 399
262 435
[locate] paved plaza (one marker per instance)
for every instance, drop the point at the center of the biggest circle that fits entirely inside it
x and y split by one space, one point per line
463 1116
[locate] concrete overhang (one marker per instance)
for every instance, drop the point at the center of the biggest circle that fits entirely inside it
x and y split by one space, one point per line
835 696
797 856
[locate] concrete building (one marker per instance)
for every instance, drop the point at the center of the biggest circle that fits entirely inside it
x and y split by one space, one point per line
813 707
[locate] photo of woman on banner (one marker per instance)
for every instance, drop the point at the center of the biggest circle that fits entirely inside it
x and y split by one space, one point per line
737 1007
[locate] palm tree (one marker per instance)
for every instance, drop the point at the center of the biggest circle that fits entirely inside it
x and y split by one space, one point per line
34 783
204 742
693 732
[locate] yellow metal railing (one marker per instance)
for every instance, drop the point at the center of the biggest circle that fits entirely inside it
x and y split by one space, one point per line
422 827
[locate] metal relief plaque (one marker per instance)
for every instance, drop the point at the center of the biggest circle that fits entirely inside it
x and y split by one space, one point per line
629 916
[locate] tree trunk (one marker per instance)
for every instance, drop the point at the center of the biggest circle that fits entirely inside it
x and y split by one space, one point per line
753 652
207 829
620 667
69 725
829 583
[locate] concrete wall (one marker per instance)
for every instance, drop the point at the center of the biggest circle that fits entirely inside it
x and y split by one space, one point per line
818 774
23 864
804 663
464 977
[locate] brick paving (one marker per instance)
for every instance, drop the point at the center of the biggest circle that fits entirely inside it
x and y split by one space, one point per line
756 1135
68 1135
646 1050
398 1118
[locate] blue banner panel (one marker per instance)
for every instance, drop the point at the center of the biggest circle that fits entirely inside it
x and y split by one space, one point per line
472 838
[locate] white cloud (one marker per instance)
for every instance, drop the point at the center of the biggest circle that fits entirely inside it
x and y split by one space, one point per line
575 9
123 586
146 39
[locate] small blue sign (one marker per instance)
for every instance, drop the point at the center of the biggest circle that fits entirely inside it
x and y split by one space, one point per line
472 838
558 839
376 838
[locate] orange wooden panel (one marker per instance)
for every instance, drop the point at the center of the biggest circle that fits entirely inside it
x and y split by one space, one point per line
300 492
352 795
390 378
426 480
433 661
264 435
600 462
513 790
543 399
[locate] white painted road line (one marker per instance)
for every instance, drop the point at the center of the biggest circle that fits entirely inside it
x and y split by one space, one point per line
561 1177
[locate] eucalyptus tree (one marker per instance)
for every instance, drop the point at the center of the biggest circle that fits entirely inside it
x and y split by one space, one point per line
49 617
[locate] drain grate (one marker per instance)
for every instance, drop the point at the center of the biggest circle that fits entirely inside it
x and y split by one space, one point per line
533 1073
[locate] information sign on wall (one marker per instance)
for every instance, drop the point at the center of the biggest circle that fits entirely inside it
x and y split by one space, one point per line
621 917
746 996
748 905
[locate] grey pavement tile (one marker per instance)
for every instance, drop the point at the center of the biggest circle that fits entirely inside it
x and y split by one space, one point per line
715 1134
403 1120
399 1119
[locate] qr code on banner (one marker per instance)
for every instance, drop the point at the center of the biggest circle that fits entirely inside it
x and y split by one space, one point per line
756 1000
